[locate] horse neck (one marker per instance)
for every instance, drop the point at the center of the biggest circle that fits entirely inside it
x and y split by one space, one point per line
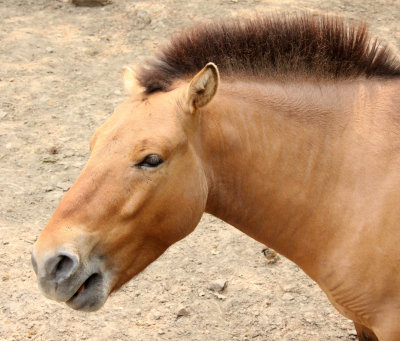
275 154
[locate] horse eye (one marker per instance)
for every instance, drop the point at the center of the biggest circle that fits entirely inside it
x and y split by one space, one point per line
151 161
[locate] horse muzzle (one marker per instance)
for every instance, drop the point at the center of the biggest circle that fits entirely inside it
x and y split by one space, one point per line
63 276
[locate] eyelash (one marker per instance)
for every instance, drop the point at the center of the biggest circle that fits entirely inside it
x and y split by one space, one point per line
150 161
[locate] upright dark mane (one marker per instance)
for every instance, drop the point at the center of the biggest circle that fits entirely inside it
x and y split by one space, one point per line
289 47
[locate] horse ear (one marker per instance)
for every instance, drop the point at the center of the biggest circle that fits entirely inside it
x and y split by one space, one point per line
130 82
202 87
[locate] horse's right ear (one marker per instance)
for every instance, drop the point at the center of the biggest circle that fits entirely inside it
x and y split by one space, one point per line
202 88
130 82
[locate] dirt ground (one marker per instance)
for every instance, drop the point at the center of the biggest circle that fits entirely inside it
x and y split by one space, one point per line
60 78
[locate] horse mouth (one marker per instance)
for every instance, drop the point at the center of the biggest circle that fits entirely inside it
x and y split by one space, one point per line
91 295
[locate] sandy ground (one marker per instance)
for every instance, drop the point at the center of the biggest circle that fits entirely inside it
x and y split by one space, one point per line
60 77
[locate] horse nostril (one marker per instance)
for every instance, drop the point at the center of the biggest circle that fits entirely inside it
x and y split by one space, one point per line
64 268
61 267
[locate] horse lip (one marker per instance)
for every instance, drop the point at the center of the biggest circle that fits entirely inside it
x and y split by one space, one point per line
90 295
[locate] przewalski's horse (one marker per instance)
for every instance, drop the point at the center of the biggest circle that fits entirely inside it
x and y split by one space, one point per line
298 146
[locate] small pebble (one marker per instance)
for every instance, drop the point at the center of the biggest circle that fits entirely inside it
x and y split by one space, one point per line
156 315
218 285
182 312
287 297
64 186
53 150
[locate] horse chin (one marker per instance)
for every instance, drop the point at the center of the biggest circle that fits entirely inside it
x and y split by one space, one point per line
91 295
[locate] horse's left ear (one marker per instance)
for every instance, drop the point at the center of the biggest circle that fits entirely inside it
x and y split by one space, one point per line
130 82
202 87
